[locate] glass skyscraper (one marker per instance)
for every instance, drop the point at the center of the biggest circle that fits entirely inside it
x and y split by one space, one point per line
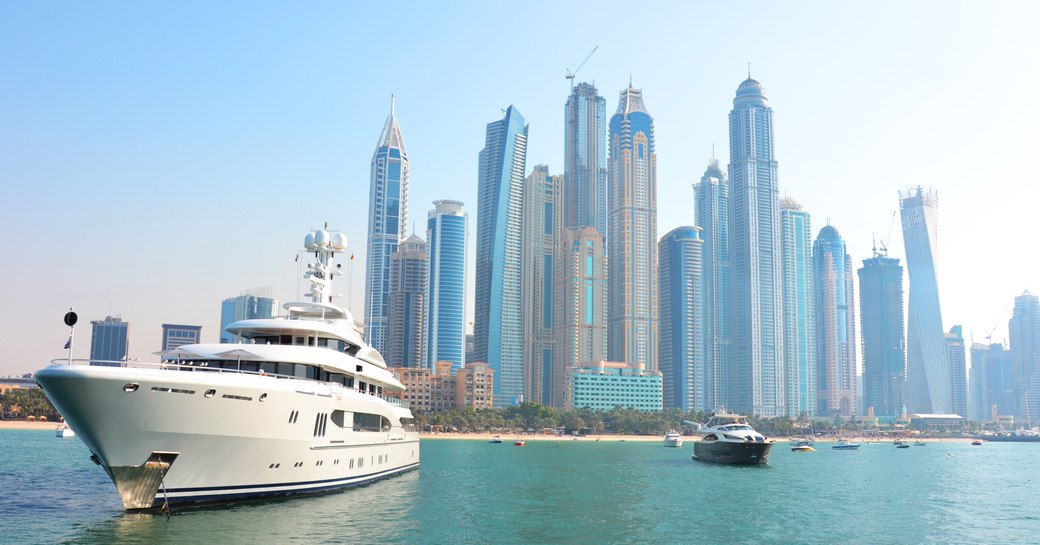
632 327
109 341
541 238
927 369
585 159
498 313
682 322
799 295
404 339
444 328
991 382
836 326
757 358
884 343
387 223
1024 332
711 201
248 306
174 335
958 371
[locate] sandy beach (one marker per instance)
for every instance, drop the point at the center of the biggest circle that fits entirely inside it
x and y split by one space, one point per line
23 425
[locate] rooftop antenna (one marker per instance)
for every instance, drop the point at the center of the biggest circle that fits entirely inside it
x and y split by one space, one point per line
749 70
570 75
391 104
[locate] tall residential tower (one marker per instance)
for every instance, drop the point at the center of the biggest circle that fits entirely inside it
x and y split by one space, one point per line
836 326
404 339
883 340
681 359
585 159
711 202
799 295
541 239
444 328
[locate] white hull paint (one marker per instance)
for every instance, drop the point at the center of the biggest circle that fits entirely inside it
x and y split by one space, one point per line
230 444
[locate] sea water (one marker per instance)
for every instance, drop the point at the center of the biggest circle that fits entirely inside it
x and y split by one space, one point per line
574 492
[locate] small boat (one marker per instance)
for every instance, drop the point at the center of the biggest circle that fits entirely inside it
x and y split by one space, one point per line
845 444
729 439
672 439
919 443
901 444
976 442
802 446
518 443
64 431
496 439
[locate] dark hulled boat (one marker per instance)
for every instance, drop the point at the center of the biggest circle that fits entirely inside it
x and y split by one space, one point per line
729 439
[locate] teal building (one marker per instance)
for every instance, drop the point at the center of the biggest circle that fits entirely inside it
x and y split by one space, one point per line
605 385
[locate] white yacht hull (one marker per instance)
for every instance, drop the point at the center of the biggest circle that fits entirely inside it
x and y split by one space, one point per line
167 442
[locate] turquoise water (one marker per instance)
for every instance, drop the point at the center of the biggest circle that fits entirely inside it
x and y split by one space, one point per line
566 492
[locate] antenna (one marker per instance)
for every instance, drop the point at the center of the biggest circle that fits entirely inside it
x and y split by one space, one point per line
570 75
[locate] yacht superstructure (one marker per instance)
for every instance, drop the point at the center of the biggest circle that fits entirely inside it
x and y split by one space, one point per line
304 406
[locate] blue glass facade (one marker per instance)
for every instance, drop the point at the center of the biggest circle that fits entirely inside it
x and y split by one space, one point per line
498 313
799 294
179 335
711 200
757 356
682 322
243 307
836 326
387 223
109 341
882 326
585 159
444 333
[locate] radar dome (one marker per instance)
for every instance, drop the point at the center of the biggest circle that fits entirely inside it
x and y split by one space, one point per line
321 238
308 241
339 242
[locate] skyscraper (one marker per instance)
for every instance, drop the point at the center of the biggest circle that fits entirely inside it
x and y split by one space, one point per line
757 358
498 313
711 201
799 296
958 371
444 328
250 305
928 372
109 341
541 238
179 335
991 382
884 346
681 294
631 234
1024 332
836 326
387 223
585 159
581 307
404 339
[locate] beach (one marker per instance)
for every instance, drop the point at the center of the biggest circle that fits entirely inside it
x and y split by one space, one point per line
24 425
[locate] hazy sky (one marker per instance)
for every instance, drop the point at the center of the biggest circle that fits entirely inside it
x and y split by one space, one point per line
159 157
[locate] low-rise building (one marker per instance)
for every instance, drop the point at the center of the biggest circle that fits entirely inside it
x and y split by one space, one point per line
605 385
438 389
937 422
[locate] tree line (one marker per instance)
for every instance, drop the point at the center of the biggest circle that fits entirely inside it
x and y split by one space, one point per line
21 403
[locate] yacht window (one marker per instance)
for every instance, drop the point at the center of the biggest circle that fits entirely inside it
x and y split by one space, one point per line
299 340
352 350
349 382
284 369
323 342
268 367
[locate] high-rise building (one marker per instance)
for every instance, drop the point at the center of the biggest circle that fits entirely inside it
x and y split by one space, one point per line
179 335
444 328
541 237
248 306
581 307
928 372
404 339
884 344
990 383
109 341
757 357
387 223
799 296
835 326
711 201
498 313
632 327
585 159
681 357
1024 333
958 371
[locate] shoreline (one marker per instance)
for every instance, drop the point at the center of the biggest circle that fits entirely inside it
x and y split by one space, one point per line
25 425
611 438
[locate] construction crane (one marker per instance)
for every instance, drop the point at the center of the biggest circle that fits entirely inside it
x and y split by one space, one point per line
570 75
989 333
883 251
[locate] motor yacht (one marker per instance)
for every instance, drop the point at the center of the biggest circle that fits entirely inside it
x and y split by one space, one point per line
729 439
673 439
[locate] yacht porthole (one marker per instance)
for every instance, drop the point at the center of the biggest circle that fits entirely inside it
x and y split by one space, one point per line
130 387
263 397
210 393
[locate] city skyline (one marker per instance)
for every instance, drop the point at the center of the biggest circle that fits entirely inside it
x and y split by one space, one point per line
132 134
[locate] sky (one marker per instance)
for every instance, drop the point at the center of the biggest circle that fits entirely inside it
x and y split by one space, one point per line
156 158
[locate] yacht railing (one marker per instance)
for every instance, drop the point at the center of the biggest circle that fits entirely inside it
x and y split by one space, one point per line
170 365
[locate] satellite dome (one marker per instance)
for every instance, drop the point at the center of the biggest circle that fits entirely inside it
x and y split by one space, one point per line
321 238
339 242
308 241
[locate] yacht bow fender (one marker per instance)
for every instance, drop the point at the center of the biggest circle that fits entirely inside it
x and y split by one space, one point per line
138 485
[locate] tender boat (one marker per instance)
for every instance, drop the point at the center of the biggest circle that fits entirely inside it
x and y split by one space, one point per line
519 442
803 446
496 440
672 439
64 430
901 444
845 444
976 442
919 443
729 439
305 406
